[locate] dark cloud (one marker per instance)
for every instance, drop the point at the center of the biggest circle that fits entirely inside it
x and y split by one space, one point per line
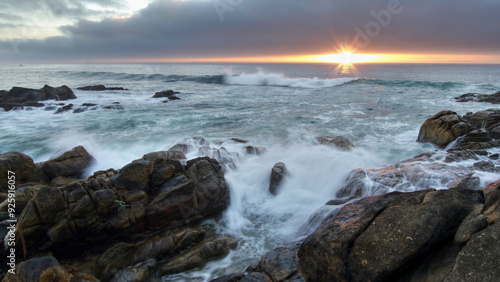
217 28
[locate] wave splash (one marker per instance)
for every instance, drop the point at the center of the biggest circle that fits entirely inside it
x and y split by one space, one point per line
276 79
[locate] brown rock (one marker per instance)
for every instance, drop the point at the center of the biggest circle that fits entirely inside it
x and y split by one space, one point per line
443 128
72 163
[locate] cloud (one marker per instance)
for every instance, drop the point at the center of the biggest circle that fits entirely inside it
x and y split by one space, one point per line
173 29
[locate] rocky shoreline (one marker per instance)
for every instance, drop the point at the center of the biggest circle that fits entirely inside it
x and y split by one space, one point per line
139 222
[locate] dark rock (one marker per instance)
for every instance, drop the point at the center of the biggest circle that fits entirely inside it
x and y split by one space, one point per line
472 224
138 272
199 255
134 176
23 196
336 202
165 94
238 140
114 107
460 155
64 109
492 204
477 135
443 128
486 166
234 277
478 260
72 163
165 155
475 97
354 186
39 269
8 106
253 150
21 166
337 141
278 172
494 157
174 98
113 260
19 97
280 263
99 88
469 182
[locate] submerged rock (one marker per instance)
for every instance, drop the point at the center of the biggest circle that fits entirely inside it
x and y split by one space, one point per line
340 142
166 94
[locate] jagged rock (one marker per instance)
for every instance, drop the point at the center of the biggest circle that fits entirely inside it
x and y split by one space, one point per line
398 229
199 255
39 269
478 260
253 150
64 109
19 97
475 97
21 166
134 176
340 142
138 272
280 263
443 128
99 87
72 163
278 172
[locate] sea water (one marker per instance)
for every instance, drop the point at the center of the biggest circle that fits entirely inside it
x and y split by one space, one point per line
280 107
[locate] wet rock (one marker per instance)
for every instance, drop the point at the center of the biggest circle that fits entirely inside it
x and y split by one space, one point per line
199 255
21 167
355 184
475 97
477 135
39 269
134 176
478 260
280 263
190 144
25 97
278 172
8 106
64 109
99 87
469 182
238 140
23 196
72 163
337 141
443 128
138 272
492 204
165 94
486 166
460 155
165 155
253 150
229 278
113 260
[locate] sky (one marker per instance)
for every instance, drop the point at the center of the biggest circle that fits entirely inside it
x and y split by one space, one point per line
423 31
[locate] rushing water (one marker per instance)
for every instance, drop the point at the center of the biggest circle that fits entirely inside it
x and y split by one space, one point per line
279 107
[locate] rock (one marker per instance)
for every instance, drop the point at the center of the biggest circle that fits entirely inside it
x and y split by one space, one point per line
477 135
72 163
398 229
486 166
355 184
21 166
234 277
8 106
238 140
39 269
475 97
457 155
165 94
165 155
278 172
138 272
64 109
280 263
478 260
492 204
99 87
443 128
61 180
336 141
19 97
113 107
173 98
23 196
469 182
253 150
199 255
113 260
472 224
134 176
105 201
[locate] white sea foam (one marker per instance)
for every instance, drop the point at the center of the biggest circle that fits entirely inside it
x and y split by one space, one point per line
276 79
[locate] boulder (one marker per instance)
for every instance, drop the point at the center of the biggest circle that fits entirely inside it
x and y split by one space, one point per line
340 142
475 97
199 255
63 109
443 128
138 272
255 150
72 163
165 155
479 259
165 94
278 172
134 176
280 263
21 166
19 97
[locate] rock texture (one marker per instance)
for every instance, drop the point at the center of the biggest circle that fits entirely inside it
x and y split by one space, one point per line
443 128
278 172
340 142
475 97
19 97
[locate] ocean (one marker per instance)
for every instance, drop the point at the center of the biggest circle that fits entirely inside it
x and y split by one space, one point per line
280 107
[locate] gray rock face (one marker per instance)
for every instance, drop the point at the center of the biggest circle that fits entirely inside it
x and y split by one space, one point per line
21 97
278 172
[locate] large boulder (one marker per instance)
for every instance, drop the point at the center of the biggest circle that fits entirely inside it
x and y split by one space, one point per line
134 176
19 97
278 172
443 128
386 237
20 166
340 142
72 163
